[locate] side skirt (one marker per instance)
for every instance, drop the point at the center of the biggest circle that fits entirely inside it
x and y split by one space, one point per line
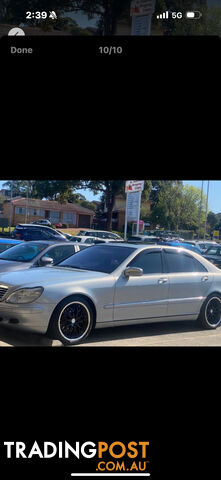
137 321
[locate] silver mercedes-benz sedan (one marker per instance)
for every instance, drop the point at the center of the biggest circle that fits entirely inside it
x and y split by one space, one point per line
108 285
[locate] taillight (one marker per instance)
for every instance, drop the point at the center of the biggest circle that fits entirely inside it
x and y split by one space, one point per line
18 235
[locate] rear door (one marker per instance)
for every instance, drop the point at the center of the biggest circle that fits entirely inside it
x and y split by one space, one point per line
189 282
146 296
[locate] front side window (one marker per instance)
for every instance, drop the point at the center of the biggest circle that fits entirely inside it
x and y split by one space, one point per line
150 262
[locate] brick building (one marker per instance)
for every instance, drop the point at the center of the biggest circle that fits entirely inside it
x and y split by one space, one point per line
30 210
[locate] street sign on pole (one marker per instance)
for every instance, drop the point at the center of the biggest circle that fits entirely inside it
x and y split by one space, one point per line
133 189
141 12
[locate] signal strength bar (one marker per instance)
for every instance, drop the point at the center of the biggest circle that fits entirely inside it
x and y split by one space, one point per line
163 15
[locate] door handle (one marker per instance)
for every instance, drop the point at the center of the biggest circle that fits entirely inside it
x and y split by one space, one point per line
204 279
163 280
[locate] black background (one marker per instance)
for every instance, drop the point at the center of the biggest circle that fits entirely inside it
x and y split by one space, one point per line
151 116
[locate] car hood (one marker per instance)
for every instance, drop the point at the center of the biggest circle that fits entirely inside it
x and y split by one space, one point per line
7 266
48 276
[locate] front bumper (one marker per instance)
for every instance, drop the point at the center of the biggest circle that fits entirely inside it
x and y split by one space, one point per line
32 316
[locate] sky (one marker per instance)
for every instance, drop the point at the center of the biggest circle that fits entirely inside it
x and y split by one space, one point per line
214 203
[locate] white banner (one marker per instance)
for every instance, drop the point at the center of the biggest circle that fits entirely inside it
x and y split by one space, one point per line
134 186
133 205
142 7
141 25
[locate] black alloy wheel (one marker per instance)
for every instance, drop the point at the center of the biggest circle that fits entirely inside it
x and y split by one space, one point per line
213 311
210 314
72 320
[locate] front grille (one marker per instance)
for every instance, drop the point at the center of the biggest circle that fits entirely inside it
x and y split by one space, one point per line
3 291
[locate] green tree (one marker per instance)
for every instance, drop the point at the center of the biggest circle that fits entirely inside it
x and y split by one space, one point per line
108 11
166 202
20 188
208 24
191 206
212 220
177 206
60 190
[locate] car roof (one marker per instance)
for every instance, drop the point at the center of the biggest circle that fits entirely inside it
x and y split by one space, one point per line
47 242
215 245
145 246
31 225
12 240
102 231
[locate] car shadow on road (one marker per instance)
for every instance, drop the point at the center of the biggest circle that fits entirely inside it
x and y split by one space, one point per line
10 337
142 330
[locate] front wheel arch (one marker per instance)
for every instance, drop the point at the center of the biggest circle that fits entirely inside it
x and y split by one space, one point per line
74 297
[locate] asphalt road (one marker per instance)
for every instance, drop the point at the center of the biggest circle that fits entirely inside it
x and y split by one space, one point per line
161 334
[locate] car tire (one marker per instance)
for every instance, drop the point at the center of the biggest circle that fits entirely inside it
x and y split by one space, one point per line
210 314
72 320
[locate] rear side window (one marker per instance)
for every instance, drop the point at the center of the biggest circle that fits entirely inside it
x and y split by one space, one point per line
150 262
89 240
179 262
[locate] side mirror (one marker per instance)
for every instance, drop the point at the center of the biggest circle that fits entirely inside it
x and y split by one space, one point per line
133 272
44 261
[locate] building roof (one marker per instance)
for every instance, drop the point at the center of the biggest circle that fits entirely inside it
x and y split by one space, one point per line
51 205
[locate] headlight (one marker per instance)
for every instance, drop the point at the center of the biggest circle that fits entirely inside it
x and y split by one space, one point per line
25 295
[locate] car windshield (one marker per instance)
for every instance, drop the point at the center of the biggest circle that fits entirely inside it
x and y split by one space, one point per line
5 246
98 258
23 253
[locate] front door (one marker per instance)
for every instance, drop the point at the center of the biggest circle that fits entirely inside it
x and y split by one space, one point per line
146 296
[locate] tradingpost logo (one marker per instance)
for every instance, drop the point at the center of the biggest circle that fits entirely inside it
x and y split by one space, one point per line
116 458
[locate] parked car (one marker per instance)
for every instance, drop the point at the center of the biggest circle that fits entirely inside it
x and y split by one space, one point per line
36 254
204 245
42 222
188 246
28 231
100 234
67 235
6 243
91 240
142 239
213 254
112 284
